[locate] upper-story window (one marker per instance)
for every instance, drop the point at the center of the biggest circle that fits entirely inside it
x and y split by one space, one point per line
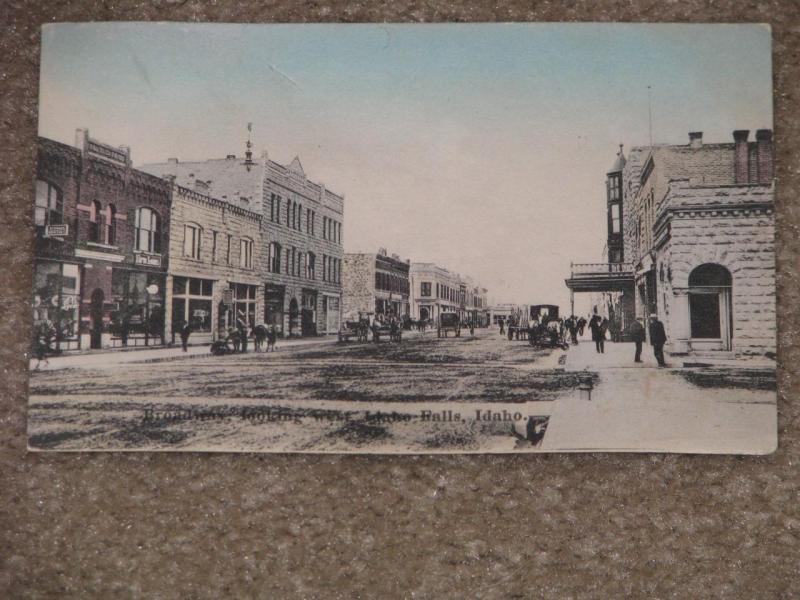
110 225
275 208
275 257
246 253
311 265
49 206
95 211
191 240
147 230
616 218
425 288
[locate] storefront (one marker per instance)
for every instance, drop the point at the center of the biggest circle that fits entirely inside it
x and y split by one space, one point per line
308 316
273 306
331 306
192 301
139 301
242 306
56 302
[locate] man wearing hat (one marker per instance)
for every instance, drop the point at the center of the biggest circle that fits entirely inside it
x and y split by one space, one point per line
638 336
658 337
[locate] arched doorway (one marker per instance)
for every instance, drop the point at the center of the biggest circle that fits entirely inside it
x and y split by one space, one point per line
710 309
293 317
96 314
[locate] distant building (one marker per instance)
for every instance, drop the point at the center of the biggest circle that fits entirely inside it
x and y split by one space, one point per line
102 235
435 291
375 283
503 312
301 234
697 244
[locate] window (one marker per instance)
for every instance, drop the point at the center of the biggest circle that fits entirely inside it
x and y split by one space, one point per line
308 220
147 230
425 288
275 208
615 218
110 233
228 245
214 246
191 302
288 213
246 253
94 221
191 240
49 207
311 265
324 228
275 257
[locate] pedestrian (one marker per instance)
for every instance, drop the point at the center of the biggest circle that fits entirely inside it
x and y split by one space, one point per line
272 336
572 326
259 335
502 326
638 336
598 333
471 327
376 331
186 330
241 326
581 326
235 338
658 337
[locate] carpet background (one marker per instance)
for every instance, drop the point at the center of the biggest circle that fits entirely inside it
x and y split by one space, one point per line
239 526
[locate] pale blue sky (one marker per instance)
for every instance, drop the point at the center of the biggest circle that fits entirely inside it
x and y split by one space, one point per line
480 147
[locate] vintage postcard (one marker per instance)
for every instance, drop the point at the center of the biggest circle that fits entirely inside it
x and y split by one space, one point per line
455 238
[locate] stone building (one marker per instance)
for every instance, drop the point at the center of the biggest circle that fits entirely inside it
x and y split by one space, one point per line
102 233
302 241
218 256
375 284
698 244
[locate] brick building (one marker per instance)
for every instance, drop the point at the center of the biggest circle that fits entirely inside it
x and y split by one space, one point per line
218 256
375 283
302 234
101 239
698 244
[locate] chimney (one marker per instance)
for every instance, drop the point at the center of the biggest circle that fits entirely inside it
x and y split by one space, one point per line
82 140
764 155
695 139
741 156
172 161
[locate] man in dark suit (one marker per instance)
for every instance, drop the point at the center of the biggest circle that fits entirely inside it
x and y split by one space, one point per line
658 337
638 336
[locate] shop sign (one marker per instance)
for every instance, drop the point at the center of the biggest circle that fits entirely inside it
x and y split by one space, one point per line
148 260
56 231
227 297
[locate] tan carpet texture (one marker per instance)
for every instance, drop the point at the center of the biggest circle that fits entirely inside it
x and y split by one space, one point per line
594 526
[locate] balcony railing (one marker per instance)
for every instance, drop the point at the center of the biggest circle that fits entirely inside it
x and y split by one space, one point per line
593 269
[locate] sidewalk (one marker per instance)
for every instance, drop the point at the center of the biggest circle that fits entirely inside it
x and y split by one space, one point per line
617 355
638 406
107 359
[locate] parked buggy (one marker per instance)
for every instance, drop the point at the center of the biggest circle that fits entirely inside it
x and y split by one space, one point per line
448 322
549 333
354 329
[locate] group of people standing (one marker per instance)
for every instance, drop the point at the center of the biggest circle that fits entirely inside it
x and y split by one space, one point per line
238 336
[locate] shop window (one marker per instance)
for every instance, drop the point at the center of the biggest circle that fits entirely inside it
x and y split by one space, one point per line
49 206
191 303
56 289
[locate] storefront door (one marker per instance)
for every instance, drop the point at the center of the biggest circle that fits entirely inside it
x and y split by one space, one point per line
96 313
